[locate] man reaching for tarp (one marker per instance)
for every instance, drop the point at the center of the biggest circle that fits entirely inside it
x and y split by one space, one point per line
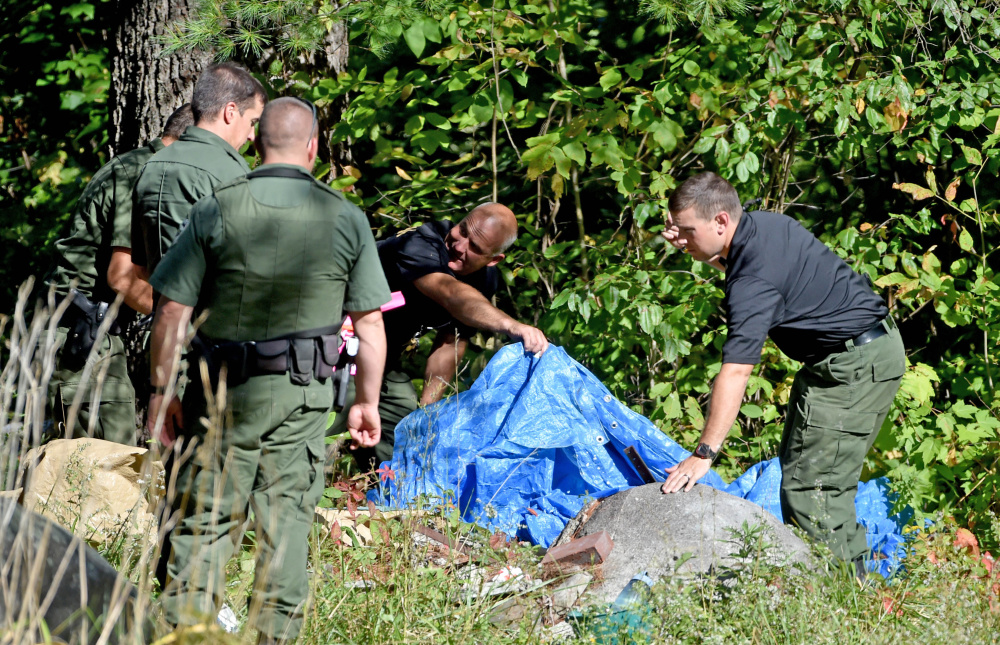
784 283
446 272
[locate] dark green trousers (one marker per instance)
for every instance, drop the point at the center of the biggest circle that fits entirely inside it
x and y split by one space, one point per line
112 415
397 399
835 412
268 458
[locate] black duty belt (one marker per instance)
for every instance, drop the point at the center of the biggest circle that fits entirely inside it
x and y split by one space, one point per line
880 329
302 355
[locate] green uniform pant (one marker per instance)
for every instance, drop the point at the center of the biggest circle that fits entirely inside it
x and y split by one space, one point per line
113 414
397 399
835 412
269 458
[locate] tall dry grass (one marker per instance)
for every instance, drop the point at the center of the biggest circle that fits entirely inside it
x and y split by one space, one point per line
34 581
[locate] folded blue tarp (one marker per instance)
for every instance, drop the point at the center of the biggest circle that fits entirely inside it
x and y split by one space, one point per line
534 439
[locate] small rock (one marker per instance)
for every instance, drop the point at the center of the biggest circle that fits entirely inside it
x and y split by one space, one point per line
515 611
566 595
558 632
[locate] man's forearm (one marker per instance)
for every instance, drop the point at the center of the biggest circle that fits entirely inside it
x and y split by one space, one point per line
727 397
441 366
169 327
465 303
369 329
129 280
139 295
475 310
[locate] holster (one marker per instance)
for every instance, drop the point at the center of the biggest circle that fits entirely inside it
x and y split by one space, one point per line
83 319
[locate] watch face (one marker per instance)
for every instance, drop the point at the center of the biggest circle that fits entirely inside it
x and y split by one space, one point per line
704 451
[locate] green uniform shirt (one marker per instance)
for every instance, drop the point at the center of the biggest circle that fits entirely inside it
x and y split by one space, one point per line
270 256
172 181
102 221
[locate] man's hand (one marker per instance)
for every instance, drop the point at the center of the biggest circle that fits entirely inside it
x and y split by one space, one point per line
364 425
532 338
685 474
172 421
672 234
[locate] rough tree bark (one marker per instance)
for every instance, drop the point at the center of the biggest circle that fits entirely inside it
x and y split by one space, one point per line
331 60
146 86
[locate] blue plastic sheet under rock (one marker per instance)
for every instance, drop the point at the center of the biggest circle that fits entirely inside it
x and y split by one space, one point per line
534 439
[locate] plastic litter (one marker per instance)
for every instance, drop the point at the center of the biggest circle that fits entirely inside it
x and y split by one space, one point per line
624 620
534 439
227 620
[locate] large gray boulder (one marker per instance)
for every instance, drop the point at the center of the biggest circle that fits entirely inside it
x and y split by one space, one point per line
691 533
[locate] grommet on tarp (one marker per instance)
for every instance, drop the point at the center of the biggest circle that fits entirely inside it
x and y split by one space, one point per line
614 424
600 439
607 398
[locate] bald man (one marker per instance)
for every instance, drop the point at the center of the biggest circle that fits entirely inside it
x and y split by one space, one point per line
447 274
274 258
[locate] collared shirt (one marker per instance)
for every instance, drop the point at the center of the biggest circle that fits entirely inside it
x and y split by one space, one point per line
171 182
784 283
270 256
412 255
102 221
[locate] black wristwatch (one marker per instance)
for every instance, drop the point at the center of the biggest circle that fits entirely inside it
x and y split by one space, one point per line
705 452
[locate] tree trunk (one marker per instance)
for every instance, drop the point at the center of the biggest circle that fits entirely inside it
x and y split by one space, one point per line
329 61
146 86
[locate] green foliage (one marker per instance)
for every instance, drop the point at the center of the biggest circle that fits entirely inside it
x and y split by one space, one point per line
583 118
53 117
251 29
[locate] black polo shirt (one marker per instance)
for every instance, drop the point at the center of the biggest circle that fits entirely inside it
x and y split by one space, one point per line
783 282
412 255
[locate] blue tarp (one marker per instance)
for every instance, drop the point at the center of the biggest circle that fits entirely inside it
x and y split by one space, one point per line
525 448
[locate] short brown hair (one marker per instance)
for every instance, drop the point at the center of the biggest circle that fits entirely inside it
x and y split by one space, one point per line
178 122
221 84
708 194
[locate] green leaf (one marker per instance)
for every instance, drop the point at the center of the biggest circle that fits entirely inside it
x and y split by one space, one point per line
561 299
610 78
437 120
704 145
965 240
650 315
574 150
643 212
414 125
691 68
917 191
415 39
741 171
741 134
663 135
79 9
751 411
671 406
432 31
506 95
973 156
